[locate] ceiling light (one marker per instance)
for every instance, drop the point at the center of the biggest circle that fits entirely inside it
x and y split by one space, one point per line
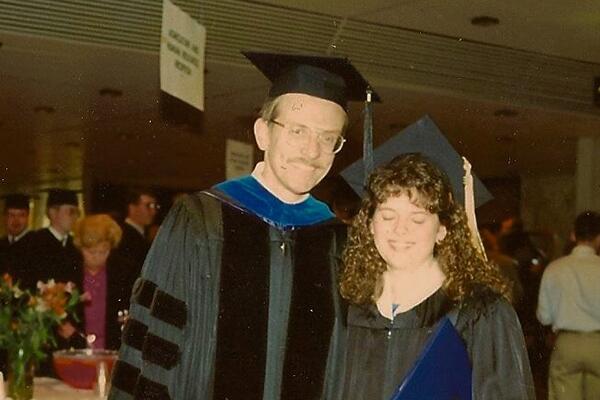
44 109
484 20
109 92
506 112
505 139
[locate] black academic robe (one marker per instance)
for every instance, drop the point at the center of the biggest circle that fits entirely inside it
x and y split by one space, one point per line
118 293
230 307
4 250
46 258
380 352
10 254
134 247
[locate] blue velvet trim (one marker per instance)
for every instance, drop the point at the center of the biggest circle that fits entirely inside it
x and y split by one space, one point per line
249 195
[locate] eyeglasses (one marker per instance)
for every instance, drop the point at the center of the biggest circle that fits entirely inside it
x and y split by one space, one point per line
299 135
153 205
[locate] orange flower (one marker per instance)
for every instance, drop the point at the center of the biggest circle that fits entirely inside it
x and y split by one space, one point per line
55 297
7 279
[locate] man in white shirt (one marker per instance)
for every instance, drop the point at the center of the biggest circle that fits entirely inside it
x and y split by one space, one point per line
569 301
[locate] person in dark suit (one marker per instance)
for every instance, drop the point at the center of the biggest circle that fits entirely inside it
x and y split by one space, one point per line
16 219
50 252
142 207
102 276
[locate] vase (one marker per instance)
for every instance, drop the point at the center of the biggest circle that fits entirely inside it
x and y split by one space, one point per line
21 370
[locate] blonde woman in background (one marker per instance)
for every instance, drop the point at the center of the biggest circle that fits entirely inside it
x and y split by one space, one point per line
105 280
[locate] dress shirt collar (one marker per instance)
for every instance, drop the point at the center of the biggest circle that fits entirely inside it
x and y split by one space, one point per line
135 226
13 239
59 236
583 249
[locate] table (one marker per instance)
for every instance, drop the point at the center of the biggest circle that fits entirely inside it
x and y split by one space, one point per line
54 389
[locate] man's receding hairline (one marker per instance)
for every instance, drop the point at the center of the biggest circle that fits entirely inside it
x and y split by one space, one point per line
270 108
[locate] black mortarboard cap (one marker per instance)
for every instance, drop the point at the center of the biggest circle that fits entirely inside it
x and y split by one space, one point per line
16 200
59 197
422 137
330 78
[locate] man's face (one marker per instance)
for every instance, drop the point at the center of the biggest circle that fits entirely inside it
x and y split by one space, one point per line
63 217
292 167
144 211
16 221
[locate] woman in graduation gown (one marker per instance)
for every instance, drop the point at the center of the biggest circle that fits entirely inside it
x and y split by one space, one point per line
410 262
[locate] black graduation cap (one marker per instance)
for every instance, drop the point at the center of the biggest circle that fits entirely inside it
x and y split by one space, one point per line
426 138
59 197
16 200
330 78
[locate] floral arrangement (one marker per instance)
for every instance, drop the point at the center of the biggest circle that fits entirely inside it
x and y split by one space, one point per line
28 321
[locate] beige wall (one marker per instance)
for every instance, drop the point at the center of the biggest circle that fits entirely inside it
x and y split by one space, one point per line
548 207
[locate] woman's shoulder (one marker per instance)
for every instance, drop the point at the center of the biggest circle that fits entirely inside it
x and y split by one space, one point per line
485 304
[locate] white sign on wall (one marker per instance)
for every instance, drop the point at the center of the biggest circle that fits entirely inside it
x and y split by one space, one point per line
182 45
239 158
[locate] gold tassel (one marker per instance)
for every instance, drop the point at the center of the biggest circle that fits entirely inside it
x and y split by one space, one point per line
470 208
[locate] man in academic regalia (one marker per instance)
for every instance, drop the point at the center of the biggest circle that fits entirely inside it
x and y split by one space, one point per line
237 298
13 246
51 254
16 219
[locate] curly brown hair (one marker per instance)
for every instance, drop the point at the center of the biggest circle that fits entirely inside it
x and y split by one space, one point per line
426 186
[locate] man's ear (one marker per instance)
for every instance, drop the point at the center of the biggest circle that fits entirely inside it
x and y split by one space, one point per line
596 243
261 134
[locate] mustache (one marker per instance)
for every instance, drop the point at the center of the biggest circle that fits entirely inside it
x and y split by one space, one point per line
310 163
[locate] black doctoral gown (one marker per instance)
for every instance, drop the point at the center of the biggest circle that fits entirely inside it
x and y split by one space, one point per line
232 306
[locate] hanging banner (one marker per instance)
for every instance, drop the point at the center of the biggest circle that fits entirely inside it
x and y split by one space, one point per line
182 45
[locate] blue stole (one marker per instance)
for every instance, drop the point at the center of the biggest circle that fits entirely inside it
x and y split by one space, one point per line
248 195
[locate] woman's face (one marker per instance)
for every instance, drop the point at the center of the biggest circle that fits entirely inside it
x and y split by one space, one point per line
94 257
405 233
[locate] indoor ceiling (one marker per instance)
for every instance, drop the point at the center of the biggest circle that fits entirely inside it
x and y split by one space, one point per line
81 109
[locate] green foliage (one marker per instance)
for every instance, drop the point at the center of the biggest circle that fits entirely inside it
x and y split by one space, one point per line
28 320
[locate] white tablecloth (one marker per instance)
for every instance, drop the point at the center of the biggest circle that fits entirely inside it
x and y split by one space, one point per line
53 389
